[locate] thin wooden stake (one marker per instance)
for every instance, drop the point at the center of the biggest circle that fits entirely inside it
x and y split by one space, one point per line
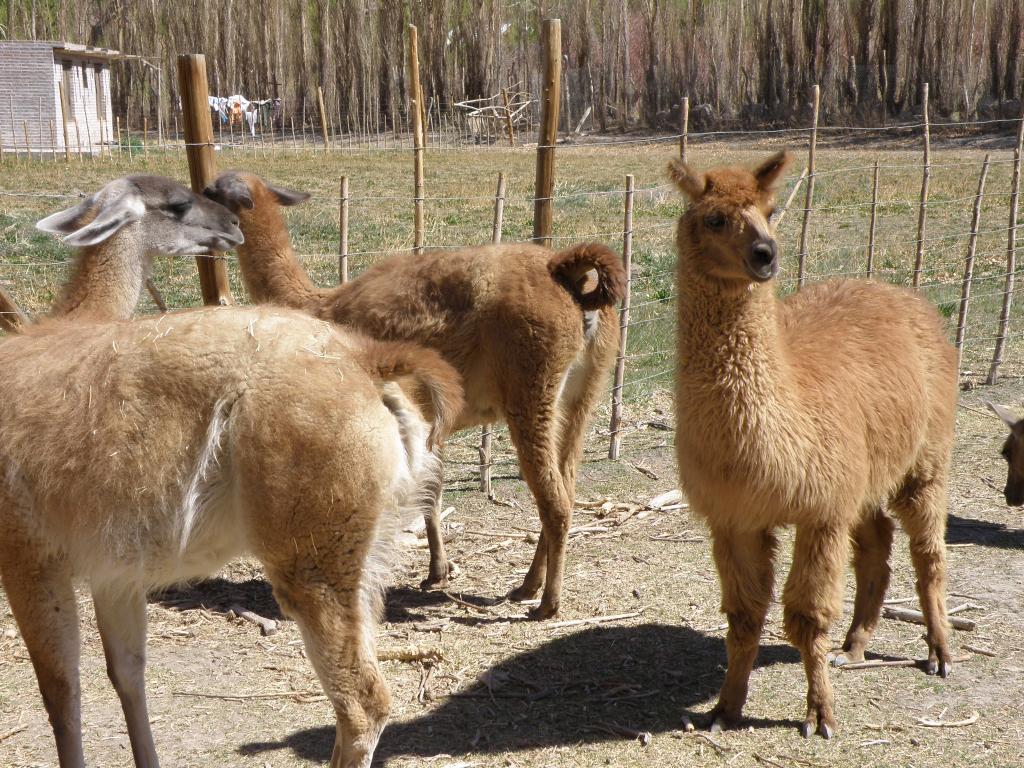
684 132
485 434
620 362
28 144
870 271
64 121
544 186
925 179
53 141
78 140
416 110
202 167
965 291
508 118
1011 259
323 117
145 132
343 232
789 200
11 316
809 199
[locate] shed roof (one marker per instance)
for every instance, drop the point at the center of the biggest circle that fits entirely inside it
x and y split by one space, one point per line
73 49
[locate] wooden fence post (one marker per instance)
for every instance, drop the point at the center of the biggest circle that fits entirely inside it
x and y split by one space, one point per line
870 271
64 121
922 214
323 117
485 433
11 316
809 198
965 291
416 111
202 169
1011 259
544 185
343 232
684 133
614 428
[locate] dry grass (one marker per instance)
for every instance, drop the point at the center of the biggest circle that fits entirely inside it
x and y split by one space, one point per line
515 693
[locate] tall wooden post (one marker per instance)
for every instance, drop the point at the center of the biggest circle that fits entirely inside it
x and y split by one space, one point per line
543 188
922 213
202 169
1011 259
809 199
416 112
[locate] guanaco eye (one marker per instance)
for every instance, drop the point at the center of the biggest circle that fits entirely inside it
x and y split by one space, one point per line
180 208
714 221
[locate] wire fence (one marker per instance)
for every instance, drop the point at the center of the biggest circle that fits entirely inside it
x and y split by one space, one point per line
856 227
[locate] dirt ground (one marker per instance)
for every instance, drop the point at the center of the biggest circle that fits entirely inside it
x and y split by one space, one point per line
510 692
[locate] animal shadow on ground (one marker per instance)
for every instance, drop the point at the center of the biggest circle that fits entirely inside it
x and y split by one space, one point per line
589 686
962 530
403 603
220 595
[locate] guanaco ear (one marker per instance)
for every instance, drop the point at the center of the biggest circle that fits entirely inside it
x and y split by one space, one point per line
691 183
768 173
1009 418
286 196
117 210
67 221
230 191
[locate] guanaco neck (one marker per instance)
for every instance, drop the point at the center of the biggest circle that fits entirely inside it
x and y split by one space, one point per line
106 280
732 365
270 269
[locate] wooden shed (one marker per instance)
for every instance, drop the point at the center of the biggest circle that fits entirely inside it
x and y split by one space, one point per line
31 75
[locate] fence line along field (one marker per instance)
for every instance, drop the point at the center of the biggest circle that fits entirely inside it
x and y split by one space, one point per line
647 652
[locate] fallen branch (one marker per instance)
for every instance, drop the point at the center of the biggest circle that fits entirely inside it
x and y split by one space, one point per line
916 617
267 626
767 761
464 604
929 723
679 537
12 732
593 620
982 651
644 470
410 653
875 663
644 737
303 697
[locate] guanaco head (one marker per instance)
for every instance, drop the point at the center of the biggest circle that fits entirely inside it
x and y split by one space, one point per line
168 218
1013 452
725 232
241 191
